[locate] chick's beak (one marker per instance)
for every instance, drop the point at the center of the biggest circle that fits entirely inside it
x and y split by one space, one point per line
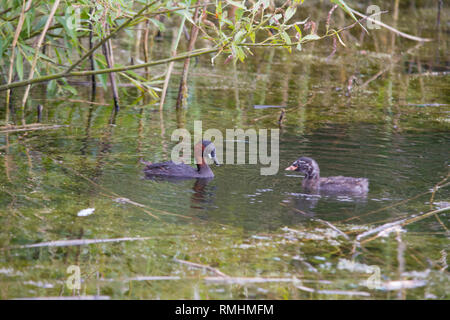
291 168
216 162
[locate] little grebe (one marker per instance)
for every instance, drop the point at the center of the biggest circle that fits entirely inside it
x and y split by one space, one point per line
313 181
170 169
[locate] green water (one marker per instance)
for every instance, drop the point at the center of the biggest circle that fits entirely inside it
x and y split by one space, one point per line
395 132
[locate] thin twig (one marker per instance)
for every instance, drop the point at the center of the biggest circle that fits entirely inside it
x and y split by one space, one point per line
220 279
381 230
183 56
425 215
78 242
170 67
111 34
401 34
91 57
334 292
77 101
333 227
36 54
25 7
43 127
182 91
108 53
202 266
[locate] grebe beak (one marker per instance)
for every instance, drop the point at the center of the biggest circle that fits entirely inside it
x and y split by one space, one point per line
291 168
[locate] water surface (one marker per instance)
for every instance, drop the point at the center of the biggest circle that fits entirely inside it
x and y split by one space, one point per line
395 131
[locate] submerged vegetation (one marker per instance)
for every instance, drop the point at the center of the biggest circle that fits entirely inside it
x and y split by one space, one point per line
88 89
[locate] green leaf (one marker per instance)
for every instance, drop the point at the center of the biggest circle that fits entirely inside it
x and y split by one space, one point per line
228 22
346 8
239 36
62 21
68 87
239 14
103 80
276 18
27 23
340 40
285 37
311 37
60 61
19 65
51 87
30 50
161 26
238 52
252 37
219 8
299 31
289 13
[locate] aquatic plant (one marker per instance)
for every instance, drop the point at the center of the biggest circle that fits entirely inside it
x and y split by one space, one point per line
43 41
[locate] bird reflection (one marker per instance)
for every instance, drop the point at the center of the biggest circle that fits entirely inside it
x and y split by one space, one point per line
201 195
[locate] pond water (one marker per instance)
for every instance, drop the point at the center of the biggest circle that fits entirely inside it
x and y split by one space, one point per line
395 131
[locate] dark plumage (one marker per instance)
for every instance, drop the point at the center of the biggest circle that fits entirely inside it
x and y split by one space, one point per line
339 184
170 169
